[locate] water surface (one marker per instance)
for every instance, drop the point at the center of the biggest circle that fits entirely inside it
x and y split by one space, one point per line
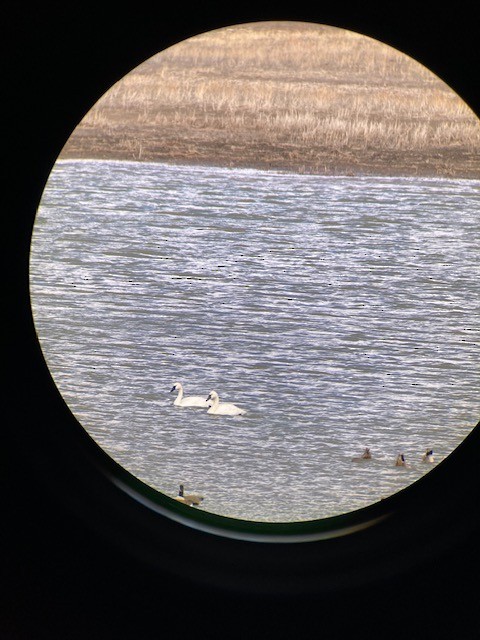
340 312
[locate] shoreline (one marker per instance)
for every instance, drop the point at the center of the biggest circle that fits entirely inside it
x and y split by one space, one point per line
330 103
381 168
279 170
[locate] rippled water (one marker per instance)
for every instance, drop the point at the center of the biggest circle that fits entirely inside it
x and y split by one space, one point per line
340 312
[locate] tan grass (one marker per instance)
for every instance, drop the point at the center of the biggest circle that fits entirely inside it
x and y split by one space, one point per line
280 84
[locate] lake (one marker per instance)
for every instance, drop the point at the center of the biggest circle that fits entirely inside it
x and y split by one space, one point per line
339 312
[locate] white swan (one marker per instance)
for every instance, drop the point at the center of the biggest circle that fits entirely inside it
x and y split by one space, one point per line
223 408
189 401
192 499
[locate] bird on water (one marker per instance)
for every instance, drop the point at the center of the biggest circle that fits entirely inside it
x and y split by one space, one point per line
191 499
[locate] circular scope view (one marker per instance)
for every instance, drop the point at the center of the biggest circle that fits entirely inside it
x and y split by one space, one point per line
255 276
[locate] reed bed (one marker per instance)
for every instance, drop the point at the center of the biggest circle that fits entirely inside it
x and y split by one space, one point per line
280 89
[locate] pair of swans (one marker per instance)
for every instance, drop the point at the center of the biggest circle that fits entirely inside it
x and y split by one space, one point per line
211 403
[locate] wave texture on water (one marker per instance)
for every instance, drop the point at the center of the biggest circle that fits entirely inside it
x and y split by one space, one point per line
340 312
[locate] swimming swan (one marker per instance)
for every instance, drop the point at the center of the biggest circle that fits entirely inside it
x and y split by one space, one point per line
192 499
190 401
223 408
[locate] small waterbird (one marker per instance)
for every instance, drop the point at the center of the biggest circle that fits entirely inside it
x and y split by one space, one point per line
191 499
366 455
428 456
400 461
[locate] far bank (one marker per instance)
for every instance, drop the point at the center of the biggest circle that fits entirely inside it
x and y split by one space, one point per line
284 95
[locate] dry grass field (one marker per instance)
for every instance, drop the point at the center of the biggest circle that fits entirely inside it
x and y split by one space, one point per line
292 96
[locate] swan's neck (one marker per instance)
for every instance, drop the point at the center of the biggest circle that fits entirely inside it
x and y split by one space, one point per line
180 394
213 402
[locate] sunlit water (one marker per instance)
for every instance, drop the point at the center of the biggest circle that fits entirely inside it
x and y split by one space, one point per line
340 312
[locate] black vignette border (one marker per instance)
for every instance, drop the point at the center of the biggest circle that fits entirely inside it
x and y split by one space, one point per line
61 578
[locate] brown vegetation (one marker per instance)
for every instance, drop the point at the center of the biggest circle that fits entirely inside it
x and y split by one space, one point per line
292 96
